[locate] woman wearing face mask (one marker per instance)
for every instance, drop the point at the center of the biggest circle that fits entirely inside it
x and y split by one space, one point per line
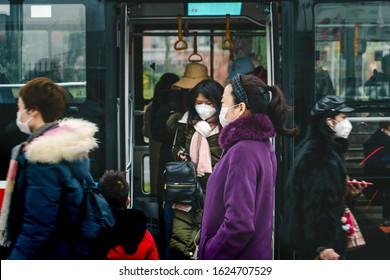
196 139
238 213
317 188
44 182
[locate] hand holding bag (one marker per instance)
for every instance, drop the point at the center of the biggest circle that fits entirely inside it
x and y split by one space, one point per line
354 235
181 182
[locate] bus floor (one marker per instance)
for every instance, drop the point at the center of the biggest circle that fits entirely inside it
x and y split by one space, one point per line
377 238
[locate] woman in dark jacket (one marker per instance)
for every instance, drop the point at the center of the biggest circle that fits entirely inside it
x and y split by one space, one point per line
317 185
39 221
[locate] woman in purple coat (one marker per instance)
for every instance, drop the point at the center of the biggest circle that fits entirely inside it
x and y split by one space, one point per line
238 213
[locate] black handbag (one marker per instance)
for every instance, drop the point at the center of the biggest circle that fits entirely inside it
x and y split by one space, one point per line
181 183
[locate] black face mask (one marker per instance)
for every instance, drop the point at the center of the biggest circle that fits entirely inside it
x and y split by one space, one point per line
344 144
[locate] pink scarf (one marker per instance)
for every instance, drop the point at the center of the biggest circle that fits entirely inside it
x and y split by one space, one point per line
200 148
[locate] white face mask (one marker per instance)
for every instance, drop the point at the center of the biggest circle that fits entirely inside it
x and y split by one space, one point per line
343 129
23 126
205 111
222 116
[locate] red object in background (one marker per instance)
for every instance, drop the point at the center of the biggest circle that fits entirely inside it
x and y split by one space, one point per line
1 196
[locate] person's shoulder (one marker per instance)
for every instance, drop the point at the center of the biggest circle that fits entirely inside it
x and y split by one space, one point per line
377 77
313 154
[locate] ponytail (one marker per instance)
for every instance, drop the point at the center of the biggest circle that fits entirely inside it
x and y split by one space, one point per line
263 99
278 111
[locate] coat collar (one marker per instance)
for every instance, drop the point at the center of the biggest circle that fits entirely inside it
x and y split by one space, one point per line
71 140
253 127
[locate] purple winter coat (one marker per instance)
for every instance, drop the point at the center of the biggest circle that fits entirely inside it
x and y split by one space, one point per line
238 213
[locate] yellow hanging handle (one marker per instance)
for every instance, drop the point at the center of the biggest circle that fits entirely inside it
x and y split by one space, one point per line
356 40
195 57
180 43
228 44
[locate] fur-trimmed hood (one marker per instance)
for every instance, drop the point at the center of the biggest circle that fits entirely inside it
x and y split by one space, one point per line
174 120
253 127
72 140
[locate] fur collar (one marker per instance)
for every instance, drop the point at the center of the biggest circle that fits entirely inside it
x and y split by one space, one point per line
253 127
173 122
72 140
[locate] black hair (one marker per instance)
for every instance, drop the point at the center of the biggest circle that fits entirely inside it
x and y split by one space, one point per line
212 91
165 83
264 99
114 188
320 126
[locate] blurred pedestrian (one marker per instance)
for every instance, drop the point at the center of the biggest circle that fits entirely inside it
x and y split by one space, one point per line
318 186
44 182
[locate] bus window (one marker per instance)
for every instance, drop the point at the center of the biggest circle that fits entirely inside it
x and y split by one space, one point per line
352 42
351 39
160 57
146 175
50 44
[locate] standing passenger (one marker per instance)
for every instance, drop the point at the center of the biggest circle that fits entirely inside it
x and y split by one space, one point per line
161 89
50 166
316 188
174 105
238 213
197 134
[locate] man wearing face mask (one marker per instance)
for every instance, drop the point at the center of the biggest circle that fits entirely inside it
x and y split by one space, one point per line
196 140
44 182
317 188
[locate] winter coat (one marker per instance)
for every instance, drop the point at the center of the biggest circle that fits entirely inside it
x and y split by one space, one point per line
48 190
132 240
238 213
184 136
173 101
314 197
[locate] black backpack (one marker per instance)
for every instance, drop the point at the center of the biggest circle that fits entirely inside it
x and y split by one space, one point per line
95 225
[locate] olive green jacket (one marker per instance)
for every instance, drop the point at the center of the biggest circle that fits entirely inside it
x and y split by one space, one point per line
187 224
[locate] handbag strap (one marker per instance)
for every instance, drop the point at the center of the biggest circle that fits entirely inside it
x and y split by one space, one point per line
174 139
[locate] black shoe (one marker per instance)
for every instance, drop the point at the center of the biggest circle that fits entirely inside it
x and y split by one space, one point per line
386 223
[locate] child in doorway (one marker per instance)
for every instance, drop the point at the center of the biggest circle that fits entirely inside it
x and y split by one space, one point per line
132 240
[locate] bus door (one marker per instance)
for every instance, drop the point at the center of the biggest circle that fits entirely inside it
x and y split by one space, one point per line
153 31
